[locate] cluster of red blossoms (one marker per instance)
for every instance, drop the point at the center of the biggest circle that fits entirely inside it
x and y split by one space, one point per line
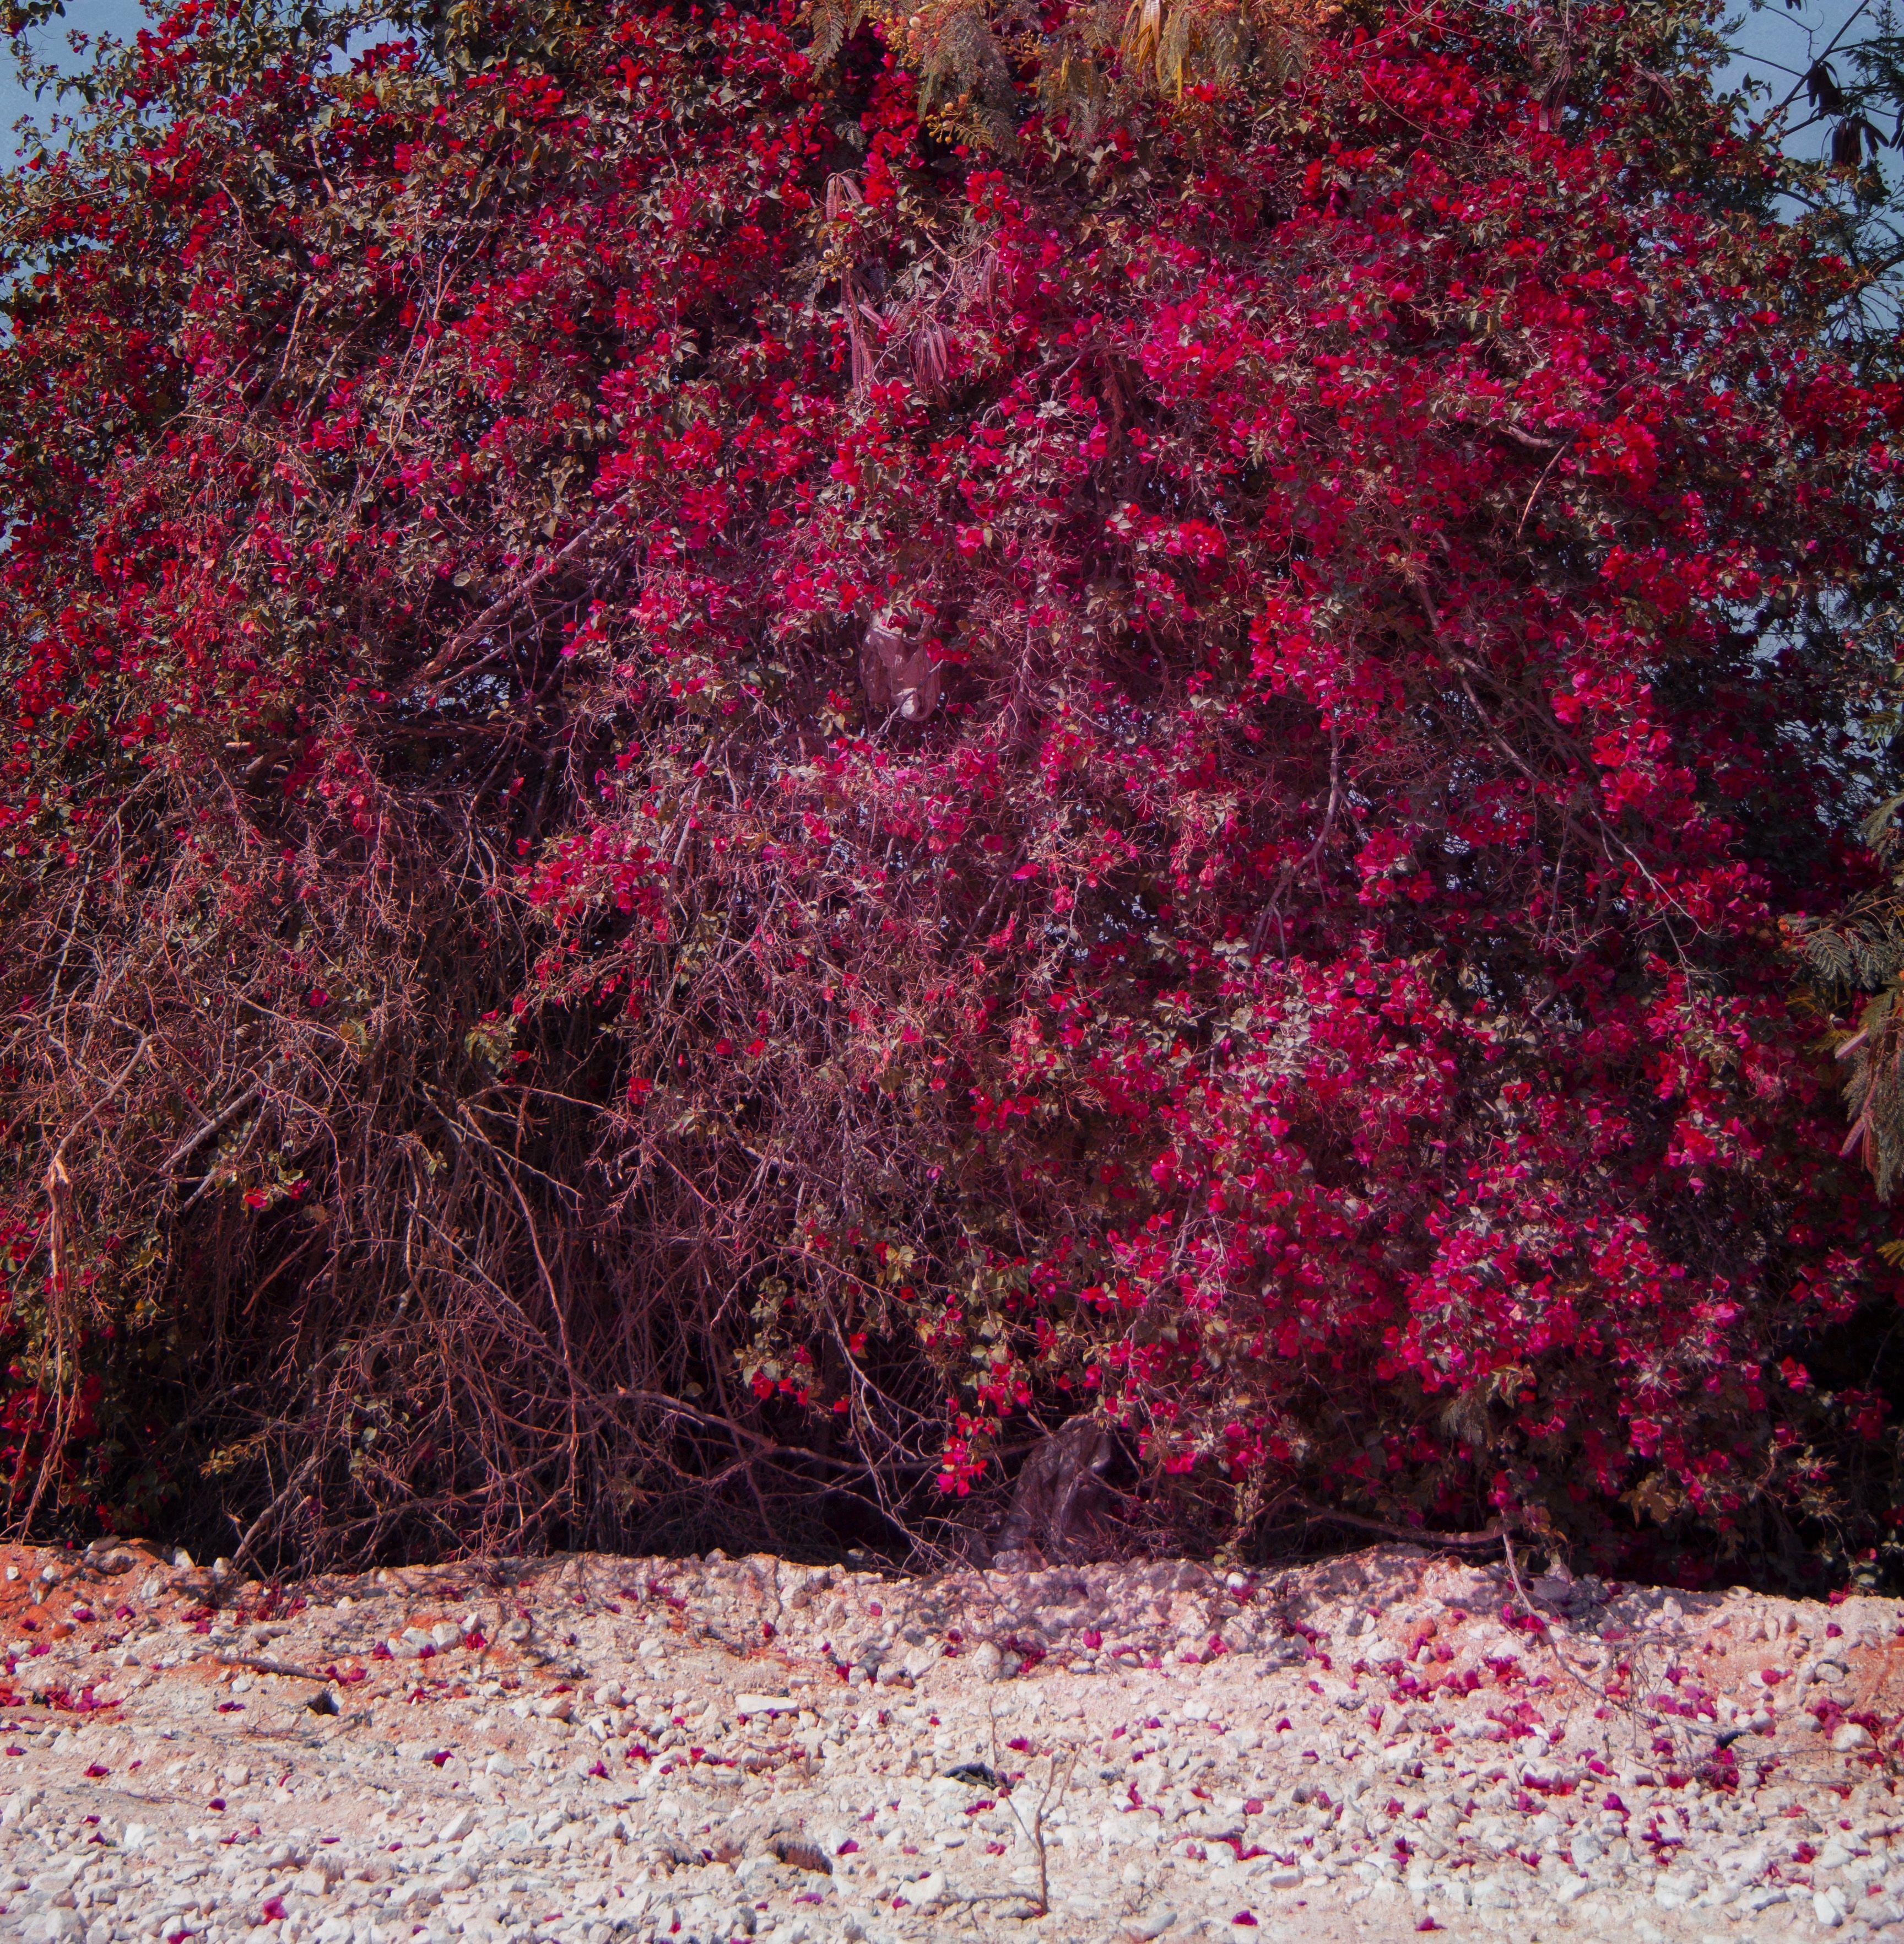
717 781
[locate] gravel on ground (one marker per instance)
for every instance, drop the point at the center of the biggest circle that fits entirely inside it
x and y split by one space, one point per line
590 1749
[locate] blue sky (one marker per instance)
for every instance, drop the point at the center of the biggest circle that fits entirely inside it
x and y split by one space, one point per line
1778 45
123 18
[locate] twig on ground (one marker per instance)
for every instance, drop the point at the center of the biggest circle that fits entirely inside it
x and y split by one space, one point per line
258 1665
1034 1829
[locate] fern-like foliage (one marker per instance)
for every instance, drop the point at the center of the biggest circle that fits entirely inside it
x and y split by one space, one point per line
983 64
964 73
1862 951
833 23
1179 41
1077 70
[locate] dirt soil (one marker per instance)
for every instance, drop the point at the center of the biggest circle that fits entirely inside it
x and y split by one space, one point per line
591 1748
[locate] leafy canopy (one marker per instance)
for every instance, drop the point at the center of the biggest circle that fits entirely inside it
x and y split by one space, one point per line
748 751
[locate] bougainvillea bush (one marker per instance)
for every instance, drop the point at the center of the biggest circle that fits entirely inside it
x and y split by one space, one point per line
751 750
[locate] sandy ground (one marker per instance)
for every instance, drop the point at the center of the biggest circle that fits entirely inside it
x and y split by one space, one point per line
590 1749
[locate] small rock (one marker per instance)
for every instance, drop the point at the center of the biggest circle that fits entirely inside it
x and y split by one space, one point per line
1850 1737
990 1663
1675 1892
1149 1924
924 1894
105 1558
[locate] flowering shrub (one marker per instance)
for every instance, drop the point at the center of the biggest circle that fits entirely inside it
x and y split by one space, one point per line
748 751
